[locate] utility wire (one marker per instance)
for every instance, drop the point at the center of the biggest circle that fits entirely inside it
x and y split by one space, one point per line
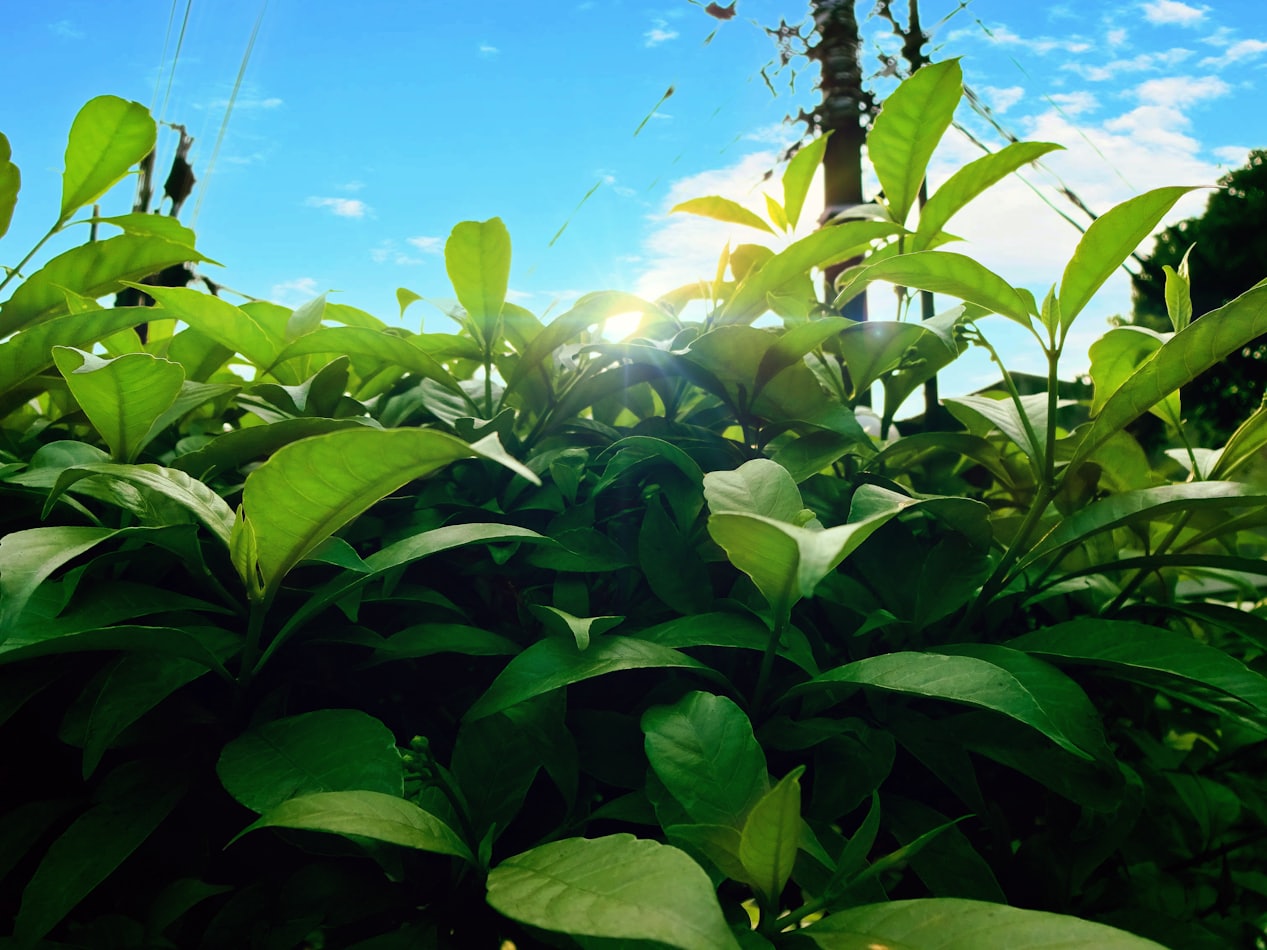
162 60
224 125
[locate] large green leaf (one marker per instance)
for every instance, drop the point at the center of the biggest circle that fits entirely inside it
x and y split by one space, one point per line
1024 695
390 348
1152 655
91 270
770 838
128 807
128 686
702 748
943 272
309 489
10 185
122 397
799 174
758 487
226 324
330 750
1184 357
199 500
618 887
1025 425
969 181
905 133
1116 357
554 663
233 449
823 247
1143 503
787 562
28 557
722 209
796 341
477 260
872 349
951 923
1107 243
366 814
1242 446
108 137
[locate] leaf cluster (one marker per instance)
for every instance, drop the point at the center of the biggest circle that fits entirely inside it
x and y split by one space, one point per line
316 631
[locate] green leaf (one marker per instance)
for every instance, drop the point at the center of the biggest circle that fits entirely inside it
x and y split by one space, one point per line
108 137
1004 415
233 449
702 748
126 689
770 839
722 209
477 260
309 489
1023 695
1242 446
787 562
391 349
91 270
10 185
874 348
554 663
122 397
152 225
1116 357
1107 243
199 500
618 886
1178 293
799 174
1143 503
131 803
791 347
1157 657
820 249
758 487
951 923
971 180
28 557
366 814
943 272
226 324
330 750
905 133
306 318
580 629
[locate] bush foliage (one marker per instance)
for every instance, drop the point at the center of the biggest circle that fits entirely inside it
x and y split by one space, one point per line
318 632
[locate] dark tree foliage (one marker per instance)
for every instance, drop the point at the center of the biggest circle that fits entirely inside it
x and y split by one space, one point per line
1229 246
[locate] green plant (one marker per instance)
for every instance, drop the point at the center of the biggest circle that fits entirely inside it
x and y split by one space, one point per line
318 632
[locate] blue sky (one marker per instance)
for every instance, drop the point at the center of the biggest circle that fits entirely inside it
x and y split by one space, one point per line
358 139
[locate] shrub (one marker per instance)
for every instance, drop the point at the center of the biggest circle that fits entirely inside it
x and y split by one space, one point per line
319 632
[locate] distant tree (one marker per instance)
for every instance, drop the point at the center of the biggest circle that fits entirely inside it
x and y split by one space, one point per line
1229 256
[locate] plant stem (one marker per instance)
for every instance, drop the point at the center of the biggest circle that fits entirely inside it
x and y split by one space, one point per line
1138 578
767 660
251 649
30 254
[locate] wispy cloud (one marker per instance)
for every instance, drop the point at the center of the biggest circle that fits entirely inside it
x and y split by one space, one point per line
660 32
343 207
292 293
66 29
1005 36
488 49
1165 12
244 104
352 187
1144 62
428 245
1241 49
1116 37
1075 103
1232 154
387 251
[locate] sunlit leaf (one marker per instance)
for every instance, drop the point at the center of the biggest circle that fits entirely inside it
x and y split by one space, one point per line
618 886
477 260
108 137
10 185
798 176
722 209
226 324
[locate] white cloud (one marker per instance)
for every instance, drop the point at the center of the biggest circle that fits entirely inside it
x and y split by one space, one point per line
351 186
1115 37
488 49
660 32
1231 154
779 134
1005 36
1144 62
428 245
1173 12
343 207
66 29
292 293
1000 100
1181 89
1075 103
387 251
244 104
1241 49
